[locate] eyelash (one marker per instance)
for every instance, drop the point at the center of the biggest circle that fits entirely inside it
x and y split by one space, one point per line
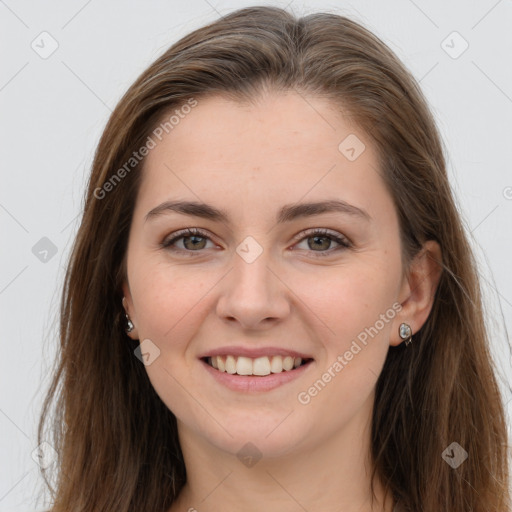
185 233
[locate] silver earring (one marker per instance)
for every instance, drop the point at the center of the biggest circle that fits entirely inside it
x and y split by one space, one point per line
129 323
405 333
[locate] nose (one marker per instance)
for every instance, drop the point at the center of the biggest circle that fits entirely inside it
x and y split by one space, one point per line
254 294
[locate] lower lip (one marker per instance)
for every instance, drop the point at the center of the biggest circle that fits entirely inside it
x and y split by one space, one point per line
250 383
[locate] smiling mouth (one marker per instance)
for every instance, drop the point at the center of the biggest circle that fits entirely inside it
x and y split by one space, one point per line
257 367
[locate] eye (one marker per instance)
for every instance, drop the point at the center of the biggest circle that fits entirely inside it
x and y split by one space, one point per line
193 234
322 238
194 240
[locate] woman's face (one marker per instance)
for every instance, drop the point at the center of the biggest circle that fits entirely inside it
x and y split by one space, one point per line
260 283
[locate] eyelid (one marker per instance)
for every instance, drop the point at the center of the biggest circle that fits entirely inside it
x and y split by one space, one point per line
323 232
342 240
184 233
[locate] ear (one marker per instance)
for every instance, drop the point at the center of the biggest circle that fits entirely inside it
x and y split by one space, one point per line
129 309
418 289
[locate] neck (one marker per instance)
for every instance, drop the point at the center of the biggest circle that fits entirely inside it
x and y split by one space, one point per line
332 476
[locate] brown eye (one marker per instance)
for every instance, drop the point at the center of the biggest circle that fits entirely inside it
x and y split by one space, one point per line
322 239
193 240
319 241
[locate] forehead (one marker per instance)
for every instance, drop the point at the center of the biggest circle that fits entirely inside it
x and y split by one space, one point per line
283 148
277 127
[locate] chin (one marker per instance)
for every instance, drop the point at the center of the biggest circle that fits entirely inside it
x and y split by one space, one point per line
256 434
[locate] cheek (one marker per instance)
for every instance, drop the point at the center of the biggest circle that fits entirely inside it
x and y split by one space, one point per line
355 308
167 298
356 342
171 304
346 300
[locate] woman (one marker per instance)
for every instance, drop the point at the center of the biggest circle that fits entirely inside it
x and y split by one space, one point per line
271 301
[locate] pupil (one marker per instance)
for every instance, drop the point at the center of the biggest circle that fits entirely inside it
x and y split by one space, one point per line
195 240
316 238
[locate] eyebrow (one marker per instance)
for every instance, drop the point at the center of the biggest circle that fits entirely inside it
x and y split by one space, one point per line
287 213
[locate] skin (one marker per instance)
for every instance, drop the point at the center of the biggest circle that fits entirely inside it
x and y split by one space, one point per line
250 160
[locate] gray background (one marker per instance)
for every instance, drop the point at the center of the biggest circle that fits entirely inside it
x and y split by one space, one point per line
53 110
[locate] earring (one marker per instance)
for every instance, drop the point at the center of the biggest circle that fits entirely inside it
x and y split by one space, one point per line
405 333
129 323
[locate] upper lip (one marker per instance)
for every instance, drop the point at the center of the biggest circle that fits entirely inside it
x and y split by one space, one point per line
253 352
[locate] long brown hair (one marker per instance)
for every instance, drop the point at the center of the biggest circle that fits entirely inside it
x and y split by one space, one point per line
116 441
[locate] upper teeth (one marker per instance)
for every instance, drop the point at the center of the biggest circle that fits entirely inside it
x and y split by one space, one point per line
258 366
